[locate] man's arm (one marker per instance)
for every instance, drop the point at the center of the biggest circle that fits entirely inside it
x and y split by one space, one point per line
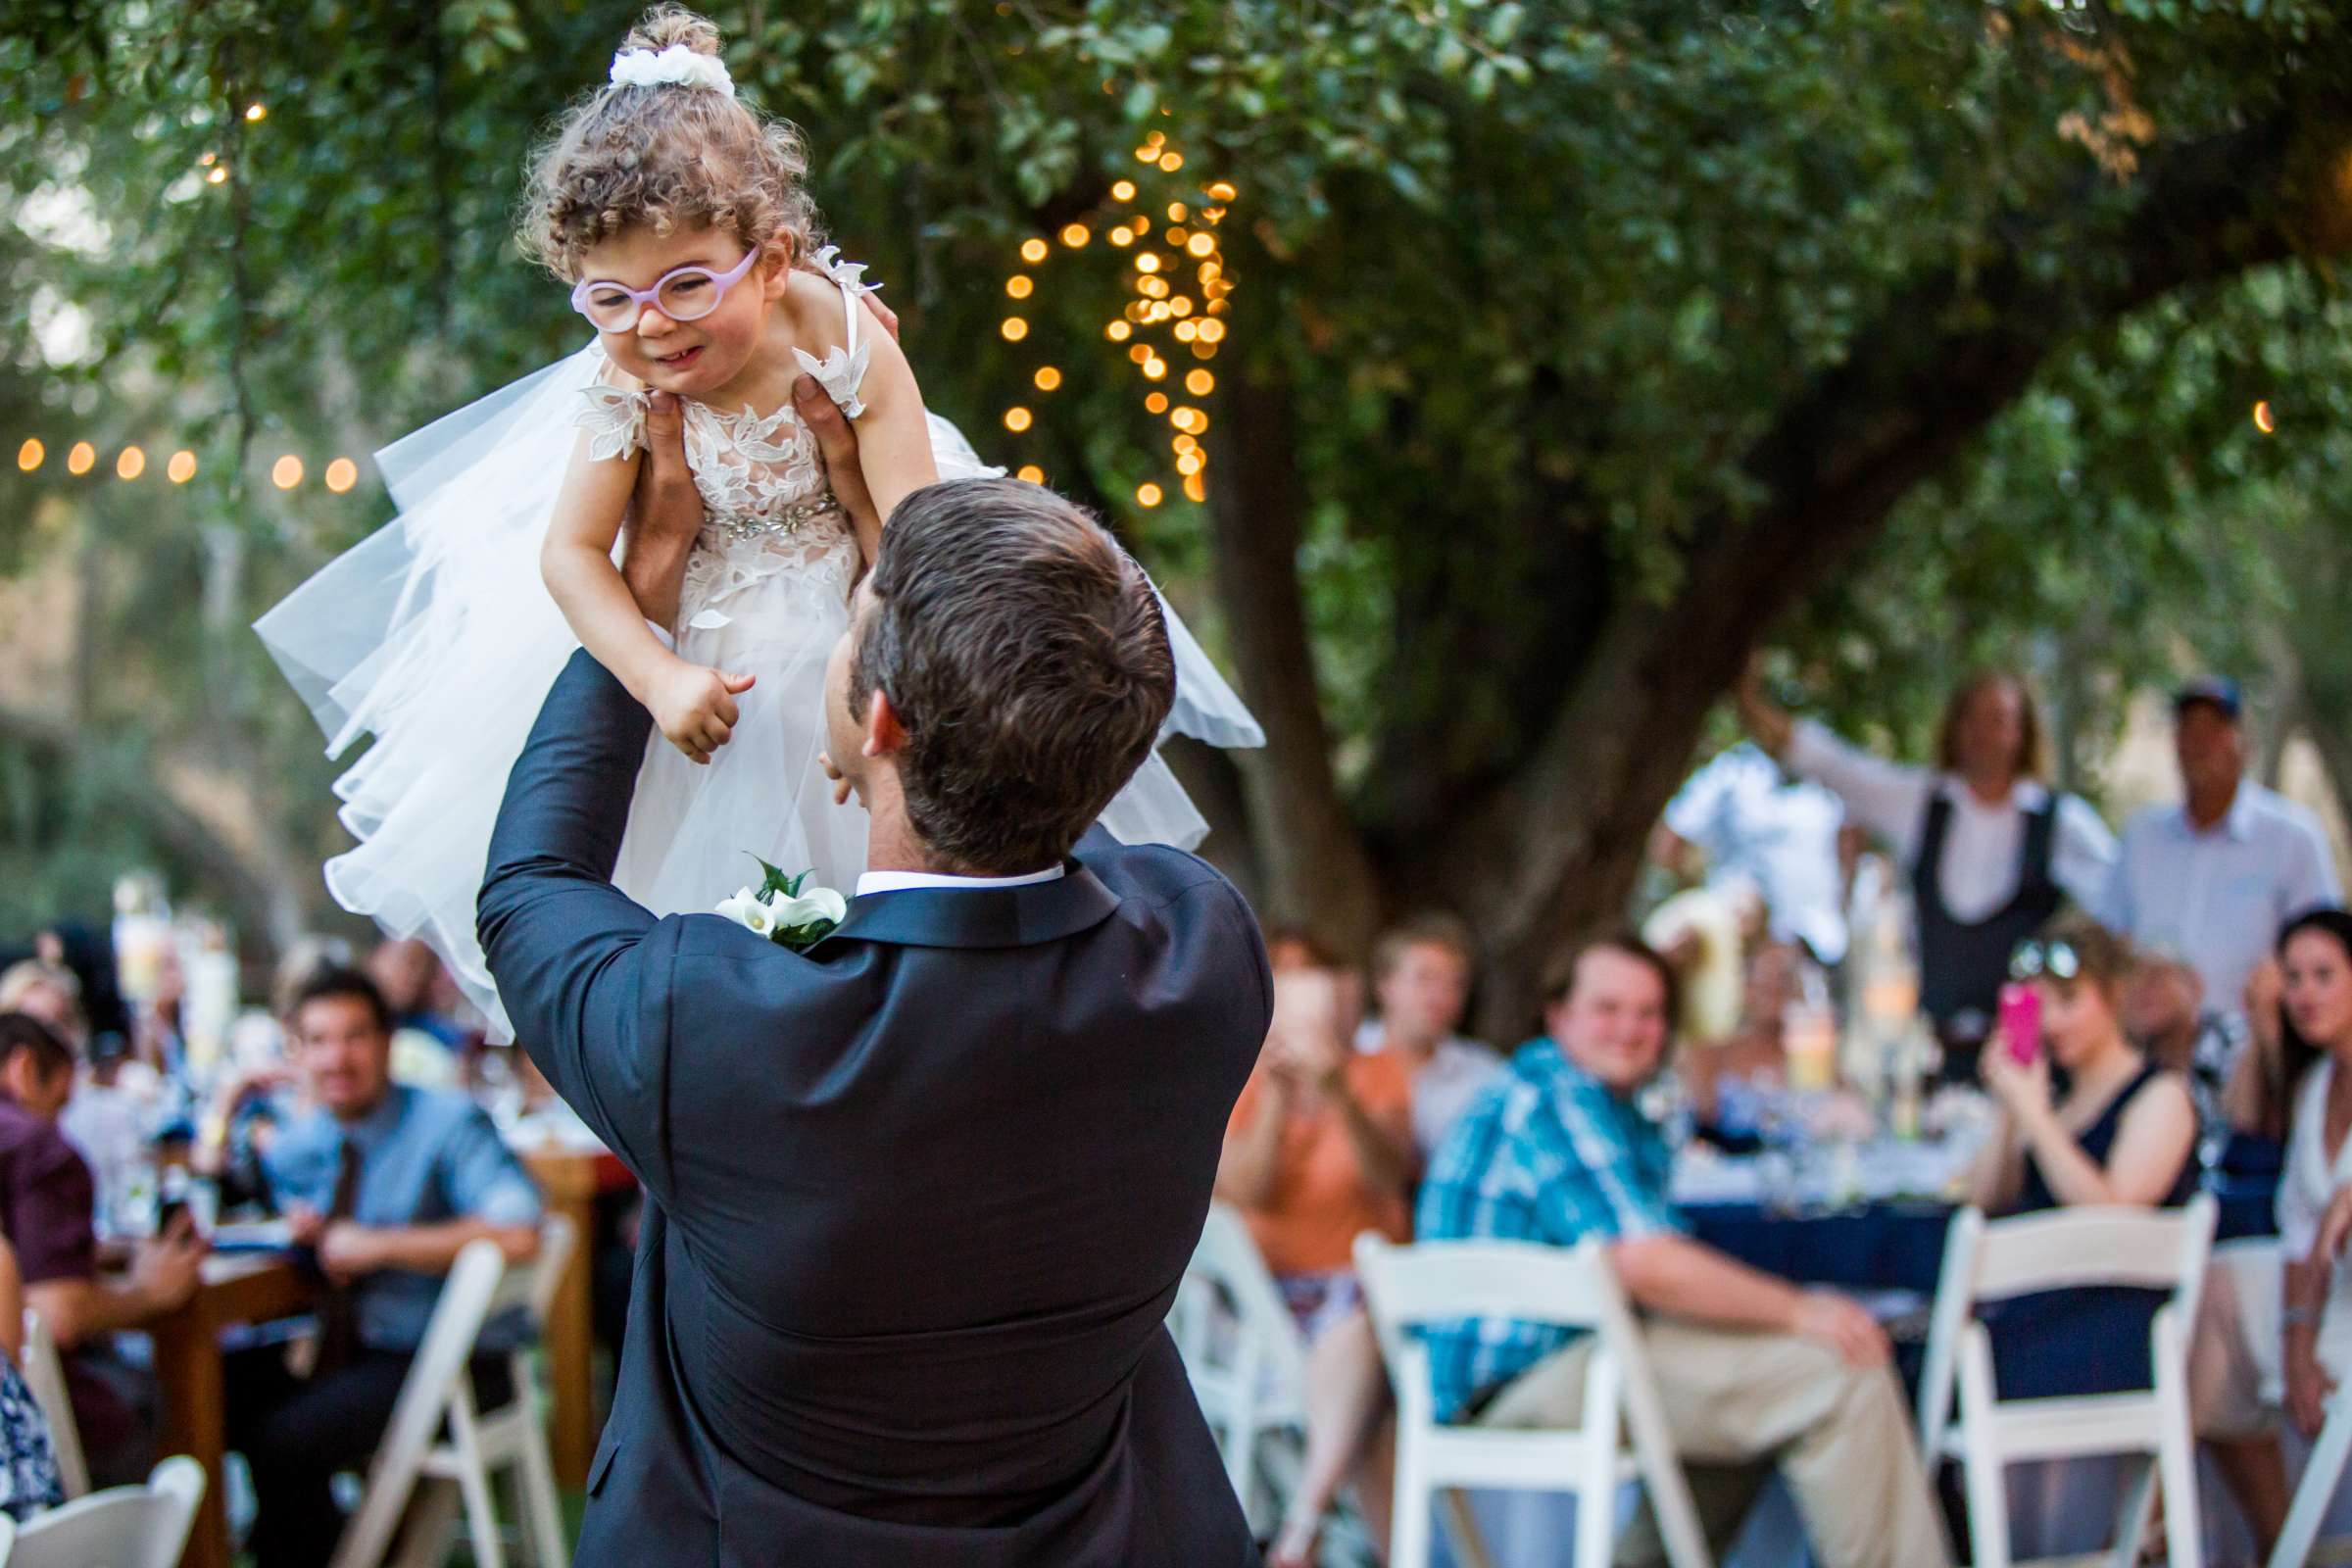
1675 1275
348 1250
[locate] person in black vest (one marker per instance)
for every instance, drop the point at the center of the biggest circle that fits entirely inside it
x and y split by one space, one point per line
1993 853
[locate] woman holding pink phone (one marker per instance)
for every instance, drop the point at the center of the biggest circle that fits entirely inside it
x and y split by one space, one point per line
2084 1118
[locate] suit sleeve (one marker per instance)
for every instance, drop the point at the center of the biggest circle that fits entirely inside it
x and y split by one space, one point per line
578 963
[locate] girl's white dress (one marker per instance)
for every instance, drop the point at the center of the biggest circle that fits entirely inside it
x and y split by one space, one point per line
435 636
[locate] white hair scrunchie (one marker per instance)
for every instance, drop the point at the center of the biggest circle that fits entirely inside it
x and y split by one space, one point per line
676 66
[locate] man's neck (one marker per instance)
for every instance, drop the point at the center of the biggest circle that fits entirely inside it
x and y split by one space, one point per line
2207 808
353 1118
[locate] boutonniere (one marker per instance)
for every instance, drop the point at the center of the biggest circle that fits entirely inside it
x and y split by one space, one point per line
785 911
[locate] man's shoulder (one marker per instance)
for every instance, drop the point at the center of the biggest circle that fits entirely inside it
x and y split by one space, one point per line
33 1144
2279 814
1160 873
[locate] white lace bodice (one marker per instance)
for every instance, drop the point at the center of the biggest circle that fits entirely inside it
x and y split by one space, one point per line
767 506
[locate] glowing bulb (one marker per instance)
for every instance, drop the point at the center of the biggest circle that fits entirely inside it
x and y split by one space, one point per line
1148 261
1147 494
1200 383
1019 285
1017 419
1209 271
256 112
1014 330
207 158
1176 211
1204 351
1180 307
1223 191
1075 235
1177 236
2263 419
287 472
220 173
1031 474
1123 191
30 454
1212 331
1169 162
1194 488
1188 465
182 466
1187 331
1141 354
1153 287
1202 244
131 464
1046 378
1183 444
1122 236
1154 368
1147 155
342 474
1152 138
1156 403
82 459
1119 331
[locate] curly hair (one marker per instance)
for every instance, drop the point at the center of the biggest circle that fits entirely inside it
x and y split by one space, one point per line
668 158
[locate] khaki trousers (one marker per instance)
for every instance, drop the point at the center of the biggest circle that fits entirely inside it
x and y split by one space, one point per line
1738 1404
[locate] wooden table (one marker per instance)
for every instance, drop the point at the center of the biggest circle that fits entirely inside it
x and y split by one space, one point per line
569 1180
237 1288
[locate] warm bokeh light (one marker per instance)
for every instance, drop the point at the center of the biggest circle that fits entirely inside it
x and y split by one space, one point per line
182 466
220 173
1200 383
1154 287
1180 307
1156 403
1075 235
1156 368
1140 354
1119 331
1046 378
1031 472
1148 262
1204 351
30 455
1122 236
1147 155
256 112
1017 419
1223 191
1177 213
1177 236
1014 330
287 472
1149 495
1212 331
2263 419
1169 162
342 474
82 459
1123 191
1202 244
131 464
1189 420
1019 285
207 158
1183 444
1187 331
1194 488
1188 465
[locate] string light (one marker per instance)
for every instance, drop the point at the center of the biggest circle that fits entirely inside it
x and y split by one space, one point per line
217 175
1156 368
1075 235
1223 190
1014 330
1019 285
1032 473
1184 443
82 459
1119 331
1121 235
1195 489
1141 354
1189 464
342 474
1169 162
1202 244
1017 419
1148 262
207 158
1147 494
1212 331
1048 378
1123 191
1200 383
1177 236
287 472
131 464
1032 250
1156 403
256 112
182 466
30 454
2263 419
1177 212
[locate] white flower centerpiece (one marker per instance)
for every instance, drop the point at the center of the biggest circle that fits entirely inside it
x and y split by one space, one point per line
784 910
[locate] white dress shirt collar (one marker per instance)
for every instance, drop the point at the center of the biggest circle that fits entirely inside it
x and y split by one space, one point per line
901 881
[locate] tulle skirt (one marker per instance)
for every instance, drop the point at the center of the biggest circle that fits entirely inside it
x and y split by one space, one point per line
436 637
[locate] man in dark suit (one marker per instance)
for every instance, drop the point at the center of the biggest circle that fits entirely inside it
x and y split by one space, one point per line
919 1199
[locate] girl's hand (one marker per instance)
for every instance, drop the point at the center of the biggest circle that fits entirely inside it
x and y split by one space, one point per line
2308 1386
2023 1090
696 706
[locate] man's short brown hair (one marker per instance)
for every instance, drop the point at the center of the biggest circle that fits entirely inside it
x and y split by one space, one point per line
1561 981
1432 928
1025 656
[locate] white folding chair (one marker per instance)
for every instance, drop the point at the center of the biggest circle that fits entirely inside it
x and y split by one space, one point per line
121 1527
438 1393
45 1376
1621 1438
1996 1260
1246 1360
2317 1490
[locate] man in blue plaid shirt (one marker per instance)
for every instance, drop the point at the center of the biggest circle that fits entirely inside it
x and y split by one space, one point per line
1752 1371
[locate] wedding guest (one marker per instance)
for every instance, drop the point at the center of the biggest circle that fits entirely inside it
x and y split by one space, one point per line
2214 876
1993 853
1759 829
1320 1148
388 1184
47 1201
2121 1132
1751 1371
1421 974
410 975
1751 1054
46 991
28 1474
2238 1355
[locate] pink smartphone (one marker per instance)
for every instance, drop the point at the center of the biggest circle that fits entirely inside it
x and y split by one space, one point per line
2021 1022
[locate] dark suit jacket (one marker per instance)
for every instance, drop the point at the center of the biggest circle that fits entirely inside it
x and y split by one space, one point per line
918 1200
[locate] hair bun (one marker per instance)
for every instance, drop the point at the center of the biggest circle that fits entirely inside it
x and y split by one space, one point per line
667 26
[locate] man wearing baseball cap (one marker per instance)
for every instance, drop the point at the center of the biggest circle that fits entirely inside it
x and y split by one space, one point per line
2214 877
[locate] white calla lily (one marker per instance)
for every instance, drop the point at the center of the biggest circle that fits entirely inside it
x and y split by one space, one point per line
747 911
817 903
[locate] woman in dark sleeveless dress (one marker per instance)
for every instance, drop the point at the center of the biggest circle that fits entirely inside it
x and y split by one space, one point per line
2091 1122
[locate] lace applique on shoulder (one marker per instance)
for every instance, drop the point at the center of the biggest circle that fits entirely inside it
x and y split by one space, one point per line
842 371
615 419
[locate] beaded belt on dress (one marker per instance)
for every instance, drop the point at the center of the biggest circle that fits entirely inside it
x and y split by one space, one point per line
791 519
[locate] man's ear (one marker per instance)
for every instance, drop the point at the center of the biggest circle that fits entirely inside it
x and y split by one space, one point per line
884 733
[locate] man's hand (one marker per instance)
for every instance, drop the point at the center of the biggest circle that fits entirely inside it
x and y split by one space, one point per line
696 706
165 1271
1841 1323
347 1249
2308 1384
839 443
1306 1029
664 516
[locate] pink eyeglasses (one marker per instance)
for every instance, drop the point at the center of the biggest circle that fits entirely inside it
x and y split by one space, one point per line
687 294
